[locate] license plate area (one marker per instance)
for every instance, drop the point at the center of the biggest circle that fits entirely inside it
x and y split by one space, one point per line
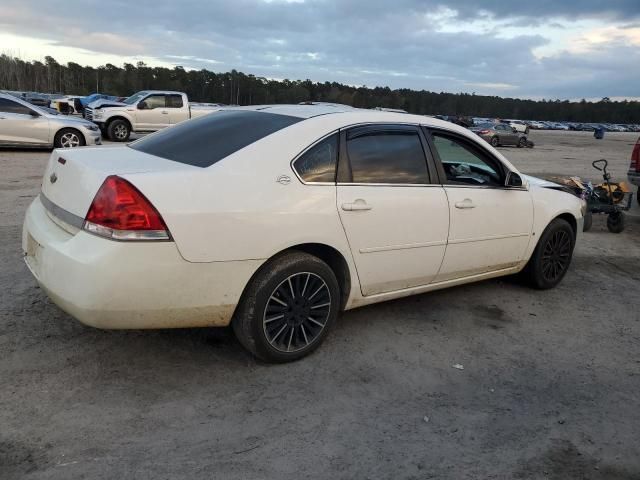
33 254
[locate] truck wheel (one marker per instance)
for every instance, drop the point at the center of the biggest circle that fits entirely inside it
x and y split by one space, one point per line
615 222
68 138
495 141
119 131
588 222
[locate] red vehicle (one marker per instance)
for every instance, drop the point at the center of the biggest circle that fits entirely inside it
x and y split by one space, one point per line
634 168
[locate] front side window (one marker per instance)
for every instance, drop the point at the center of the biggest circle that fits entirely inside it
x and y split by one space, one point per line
9 106
318 164
464 165
154 101
174 101
387 157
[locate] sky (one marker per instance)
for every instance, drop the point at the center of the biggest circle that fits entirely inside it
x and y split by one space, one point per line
567 49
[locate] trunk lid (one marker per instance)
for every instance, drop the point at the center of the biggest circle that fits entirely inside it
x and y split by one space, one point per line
73 176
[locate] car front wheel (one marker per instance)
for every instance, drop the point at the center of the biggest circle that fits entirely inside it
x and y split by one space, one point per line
287 308
495 141
68 138
119 131
552 256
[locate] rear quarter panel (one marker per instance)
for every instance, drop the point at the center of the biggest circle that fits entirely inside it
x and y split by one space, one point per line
237 210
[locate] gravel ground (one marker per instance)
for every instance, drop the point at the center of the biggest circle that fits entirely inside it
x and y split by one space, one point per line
550 386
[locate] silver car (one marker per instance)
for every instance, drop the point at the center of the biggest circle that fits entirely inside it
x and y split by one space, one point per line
25 125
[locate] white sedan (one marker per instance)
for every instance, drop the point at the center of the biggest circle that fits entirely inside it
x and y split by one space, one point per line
275 218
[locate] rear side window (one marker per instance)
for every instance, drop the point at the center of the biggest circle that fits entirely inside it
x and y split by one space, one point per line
318 164
210 138
174 101
9 106
387 157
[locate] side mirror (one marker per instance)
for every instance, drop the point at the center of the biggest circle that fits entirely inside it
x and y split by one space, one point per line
33 113
142 105
513 180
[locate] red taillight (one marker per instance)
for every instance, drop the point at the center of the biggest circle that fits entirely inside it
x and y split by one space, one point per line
635 158
119 211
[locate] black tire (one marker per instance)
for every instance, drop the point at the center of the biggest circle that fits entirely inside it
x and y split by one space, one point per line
285 288
495 141
522 142
615 222
526 131
69 138
552 256
588 221
119 130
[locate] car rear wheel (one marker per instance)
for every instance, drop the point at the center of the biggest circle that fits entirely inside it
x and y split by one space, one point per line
522 142
288 308
552 256
495 141
68 138
119 131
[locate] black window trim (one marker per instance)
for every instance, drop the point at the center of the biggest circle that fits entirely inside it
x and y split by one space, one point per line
343 171
322 139
475 148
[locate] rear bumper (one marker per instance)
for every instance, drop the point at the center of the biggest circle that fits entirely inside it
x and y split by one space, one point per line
122 285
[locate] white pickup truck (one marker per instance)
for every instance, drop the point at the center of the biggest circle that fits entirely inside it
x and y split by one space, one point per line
145 111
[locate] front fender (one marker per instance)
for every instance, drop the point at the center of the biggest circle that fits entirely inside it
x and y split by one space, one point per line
549 204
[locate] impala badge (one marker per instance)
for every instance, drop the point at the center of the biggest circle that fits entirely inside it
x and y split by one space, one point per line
53 178
283 179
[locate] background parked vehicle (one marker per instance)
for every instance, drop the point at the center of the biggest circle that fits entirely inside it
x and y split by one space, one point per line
500 134
24 124
518 125
145 111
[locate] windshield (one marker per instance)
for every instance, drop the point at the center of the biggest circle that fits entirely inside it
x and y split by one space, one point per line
135 98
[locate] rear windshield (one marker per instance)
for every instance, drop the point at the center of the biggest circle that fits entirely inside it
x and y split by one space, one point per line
208 139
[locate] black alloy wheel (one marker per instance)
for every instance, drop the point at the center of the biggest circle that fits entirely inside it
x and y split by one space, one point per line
556 256
297 312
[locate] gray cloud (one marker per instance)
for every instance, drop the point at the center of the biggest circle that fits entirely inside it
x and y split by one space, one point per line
370 42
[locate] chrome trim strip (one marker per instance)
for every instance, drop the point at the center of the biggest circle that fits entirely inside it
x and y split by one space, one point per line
484 239
345 184
59 212
403 247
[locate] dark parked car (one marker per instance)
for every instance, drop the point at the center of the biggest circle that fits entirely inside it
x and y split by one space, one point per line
500 134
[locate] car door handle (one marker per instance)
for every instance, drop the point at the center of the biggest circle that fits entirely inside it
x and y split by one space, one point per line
359 204
466 203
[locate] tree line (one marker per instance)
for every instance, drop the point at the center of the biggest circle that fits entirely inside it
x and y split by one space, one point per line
245 89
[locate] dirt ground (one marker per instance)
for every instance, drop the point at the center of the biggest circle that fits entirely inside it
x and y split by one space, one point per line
550 386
